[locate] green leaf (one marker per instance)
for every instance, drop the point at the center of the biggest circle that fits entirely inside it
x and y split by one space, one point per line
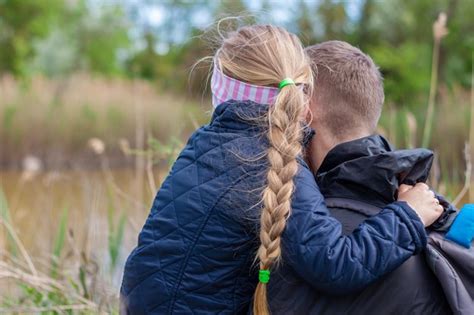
59 241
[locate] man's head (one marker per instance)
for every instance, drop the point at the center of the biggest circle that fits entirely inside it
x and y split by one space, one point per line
348 91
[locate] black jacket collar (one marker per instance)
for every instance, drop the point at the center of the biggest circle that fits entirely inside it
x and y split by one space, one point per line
370 170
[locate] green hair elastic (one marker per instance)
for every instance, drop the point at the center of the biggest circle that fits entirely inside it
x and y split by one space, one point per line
285 82
264 276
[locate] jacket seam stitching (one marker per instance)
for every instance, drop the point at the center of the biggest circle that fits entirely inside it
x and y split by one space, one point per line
198 234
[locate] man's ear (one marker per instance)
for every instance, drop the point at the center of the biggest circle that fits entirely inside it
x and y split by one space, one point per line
313 104
309 116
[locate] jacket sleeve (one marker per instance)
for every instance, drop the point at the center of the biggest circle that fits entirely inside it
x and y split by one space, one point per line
316 249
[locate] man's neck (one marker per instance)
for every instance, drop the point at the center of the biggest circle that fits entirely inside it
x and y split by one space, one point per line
322 143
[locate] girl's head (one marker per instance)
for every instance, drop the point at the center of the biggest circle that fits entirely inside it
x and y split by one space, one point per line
265 55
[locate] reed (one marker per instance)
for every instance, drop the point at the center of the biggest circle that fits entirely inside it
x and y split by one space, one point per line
439 31
471 134
33 121
59 243
73 279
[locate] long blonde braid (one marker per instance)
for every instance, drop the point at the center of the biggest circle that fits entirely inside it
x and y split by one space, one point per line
265 55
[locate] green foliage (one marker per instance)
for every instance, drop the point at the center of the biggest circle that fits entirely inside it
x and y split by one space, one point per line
101 41
172 70
20 23
116 234
8 115
5 218
115 117
146 64
398 65
58 293
59 242
406 28
398 35
55 37
39 298
88 113
165 151
333 18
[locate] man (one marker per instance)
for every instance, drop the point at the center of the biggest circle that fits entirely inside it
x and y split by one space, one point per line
358 172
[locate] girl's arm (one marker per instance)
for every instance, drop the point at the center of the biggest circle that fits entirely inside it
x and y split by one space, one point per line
316 248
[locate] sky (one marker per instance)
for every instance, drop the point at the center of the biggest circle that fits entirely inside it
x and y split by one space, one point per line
152 15
156 12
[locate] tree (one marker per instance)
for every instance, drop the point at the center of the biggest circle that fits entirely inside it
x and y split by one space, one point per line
21 22
333 19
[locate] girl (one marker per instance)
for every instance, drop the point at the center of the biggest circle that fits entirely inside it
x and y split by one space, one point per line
240 187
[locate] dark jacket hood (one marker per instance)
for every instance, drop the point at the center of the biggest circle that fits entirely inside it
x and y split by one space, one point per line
370 170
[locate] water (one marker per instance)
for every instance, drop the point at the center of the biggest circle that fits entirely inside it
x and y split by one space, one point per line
36 205
93 201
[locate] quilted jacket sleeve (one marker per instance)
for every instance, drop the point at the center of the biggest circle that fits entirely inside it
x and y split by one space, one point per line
316 249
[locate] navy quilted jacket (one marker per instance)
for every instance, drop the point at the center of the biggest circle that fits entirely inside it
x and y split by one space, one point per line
195 254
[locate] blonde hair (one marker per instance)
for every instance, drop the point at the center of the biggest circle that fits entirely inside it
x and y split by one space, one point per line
265 55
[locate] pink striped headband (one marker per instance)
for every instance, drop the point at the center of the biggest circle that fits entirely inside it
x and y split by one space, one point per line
225 88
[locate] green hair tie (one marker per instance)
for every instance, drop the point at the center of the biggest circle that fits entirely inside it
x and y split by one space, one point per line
264 276
285 82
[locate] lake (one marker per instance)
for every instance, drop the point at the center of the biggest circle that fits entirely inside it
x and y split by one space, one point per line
92 203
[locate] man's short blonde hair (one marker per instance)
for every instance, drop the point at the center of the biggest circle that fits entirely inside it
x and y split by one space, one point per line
348 88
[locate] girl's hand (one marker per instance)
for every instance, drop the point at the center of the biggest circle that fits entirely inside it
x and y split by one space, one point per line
421 199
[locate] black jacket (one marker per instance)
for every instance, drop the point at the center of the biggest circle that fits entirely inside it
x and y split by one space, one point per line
357 179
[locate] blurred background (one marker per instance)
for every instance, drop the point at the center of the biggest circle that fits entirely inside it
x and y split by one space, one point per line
97 97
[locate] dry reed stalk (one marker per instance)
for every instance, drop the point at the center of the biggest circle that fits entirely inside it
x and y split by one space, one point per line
40 282
412 129
393 124
20 246
471 132
435 173
149 170
111 182
36 310
37 281
439 31
98 146
193 121
139 143
468 173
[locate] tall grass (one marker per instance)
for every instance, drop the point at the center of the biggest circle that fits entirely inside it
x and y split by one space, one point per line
54 119
74 278
59 243
40 292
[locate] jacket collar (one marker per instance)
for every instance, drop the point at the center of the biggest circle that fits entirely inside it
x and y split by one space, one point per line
370 170
247 116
